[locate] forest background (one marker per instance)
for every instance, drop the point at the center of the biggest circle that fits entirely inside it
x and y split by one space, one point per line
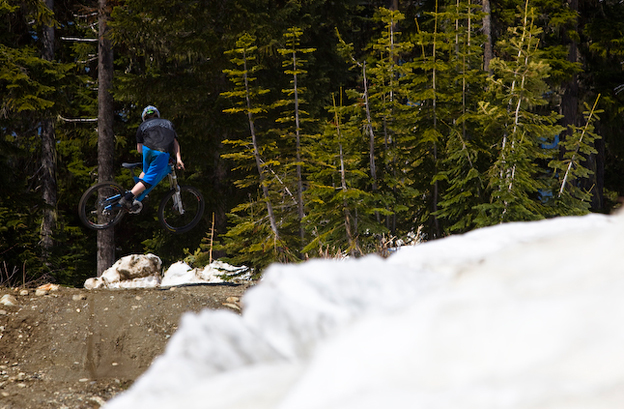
312 127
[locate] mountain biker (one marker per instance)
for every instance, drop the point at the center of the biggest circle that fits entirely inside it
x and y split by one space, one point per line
157 140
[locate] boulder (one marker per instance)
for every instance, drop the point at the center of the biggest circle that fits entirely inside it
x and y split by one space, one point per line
8 300
132 271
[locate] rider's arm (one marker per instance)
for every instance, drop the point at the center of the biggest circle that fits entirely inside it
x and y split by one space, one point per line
178 155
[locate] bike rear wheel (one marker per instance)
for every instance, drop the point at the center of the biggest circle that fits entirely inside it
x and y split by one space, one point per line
180 211
98 207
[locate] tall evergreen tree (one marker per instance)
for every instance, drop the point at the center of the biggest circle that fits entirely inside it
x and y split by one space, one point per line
467 156
568 198
31 86
48 155
267 245
517 88
106 138
295 115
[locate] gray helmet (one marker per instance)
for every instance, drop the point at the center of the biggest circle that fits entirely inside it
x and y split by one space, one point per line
150 110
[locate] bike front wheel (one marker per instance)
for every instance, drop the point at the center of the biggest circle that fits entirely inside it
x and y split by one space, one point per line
98 207
181 210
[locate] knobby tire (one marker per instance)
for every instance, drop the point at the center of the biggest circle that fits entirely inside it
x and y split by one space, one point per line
96 211
193 204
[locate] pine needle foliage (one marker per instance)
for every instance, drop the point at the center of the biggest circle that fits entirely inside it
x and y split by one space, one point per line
466 157
293 115
261 227
517 90
341 208
567 198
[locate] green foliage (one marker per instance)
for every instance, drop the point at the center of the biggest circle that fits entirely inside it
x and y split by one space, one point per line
570 198
516 91
250 150
341 210
421 139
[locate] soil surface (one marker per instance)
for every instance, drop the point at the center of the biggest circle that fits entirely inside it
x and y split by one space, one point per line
76 349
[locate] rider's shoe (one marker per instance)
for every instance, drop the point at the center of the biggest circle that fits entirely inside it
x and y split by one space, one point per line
126 204
136 207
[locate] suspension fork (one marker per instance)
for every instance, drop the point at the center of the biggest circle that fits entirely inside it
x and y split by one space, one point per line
177 198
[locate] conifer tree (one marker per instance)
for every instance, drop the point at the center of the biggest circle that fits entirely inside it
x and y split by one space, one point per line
48 156
437 94
32 85
390 76
466 155
567 197
517 92
342 209
294 115
250 240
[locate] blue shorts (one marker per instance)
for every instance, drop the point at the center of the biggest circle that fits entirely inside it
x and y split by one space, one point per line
155 165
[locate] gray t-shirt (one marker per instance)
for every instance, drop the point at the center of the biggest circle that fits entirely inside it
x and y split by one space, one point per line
158 134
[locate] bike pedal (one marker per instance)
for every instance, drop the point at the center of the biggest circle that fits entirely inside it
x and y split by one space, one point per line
136 207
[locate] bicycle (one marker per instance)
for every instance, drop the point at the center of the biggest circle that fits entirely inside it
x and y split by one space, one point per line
180 209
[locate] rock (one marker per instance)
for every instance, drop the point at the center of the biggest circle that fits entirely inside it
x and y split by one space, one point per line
78 297
138 266
49 287
8 300
133 271
232 306
23 293
46 288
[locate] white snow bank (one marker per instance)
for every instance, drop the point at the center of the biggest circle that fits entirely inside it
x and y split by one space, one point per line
144 271
181 273
522 315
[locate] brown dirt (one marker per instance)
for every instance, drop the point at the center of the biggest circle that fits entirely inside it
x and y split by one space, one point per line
75 348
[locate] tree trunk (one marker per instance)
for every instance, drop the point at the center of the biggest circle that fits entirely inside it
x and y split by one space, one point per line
48 158
259 166
106 142
487 30
298 147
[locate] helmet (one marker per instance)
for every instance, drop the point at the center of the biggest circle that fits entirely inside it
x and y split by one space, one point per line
150 110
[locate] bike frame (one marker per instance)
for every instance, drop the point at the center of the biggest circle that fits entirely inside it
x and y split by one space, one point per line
173 183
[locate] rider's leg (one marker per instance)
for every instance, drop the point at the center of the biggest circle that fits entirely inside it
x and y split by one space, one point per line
155 166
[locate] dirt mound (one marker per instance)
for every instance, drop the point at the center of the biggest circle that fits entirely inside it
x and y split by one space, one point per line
75 348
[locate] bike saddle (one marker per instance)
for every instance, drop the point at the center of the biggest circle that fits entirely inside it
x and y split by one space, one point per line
131 165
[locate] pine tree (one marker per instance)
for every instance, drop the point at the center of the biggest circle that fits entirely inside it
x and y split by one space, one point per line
266 245
438 95
294 116
393 117
466 155
567 197
342 211
517 92
31 89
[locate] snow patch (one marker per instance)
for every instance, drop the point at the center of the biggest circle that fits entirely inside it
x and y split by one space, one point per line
515 316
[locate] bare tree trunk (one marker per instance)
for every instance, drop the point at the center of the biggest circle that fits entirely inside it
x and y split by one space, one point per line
353 246
570 101
487 30
48 158
259 166
371 133
106 141
298 146
434 201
